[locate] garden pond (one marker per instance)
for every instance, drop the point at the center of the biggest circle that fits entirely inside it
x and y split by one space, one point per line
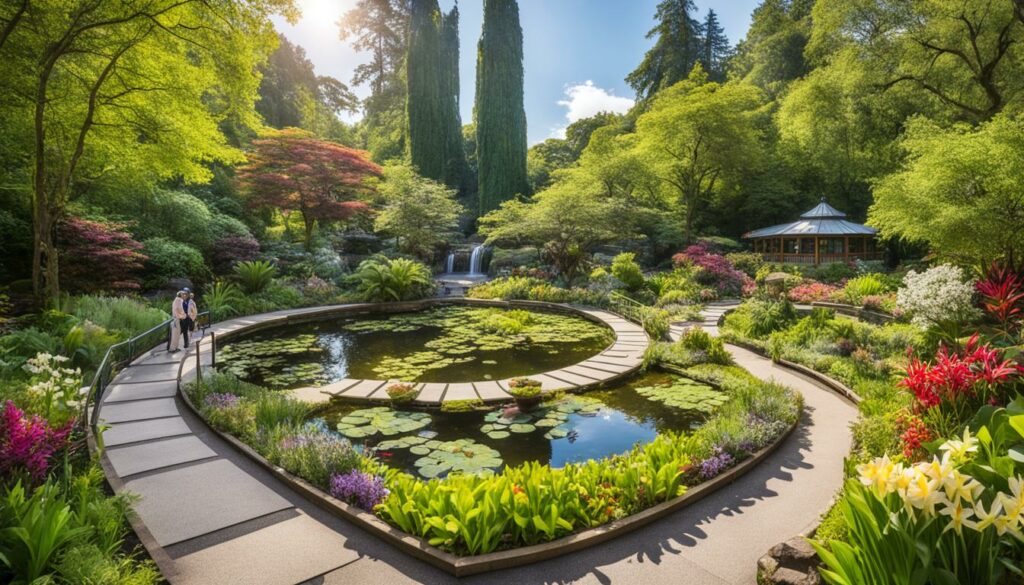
571 428
442 344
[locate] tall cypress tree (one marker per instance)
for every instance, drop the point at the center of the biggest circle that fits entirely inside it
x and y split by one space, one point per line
715 47
424 105
500 117
677 48
456 167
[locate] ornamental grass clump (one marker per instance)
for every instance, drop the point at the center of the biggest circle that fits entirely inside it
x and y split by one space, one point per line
359 488
312 453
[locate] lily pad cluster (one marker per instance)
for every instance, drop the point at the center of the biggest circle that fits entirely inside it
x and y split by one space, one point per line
685 394
467 330
462 455
552 419
272 360
381 420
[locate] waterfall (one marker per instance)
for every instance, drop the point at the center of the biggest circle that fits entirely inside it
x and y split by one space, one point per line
475 260
450 265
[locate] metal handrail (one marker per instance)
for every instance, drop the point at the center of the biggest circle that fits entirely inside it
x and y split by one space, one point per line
628 308
136 346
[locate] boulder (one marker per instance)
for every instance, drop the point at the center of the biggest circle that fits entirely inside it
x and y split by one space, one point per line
792 562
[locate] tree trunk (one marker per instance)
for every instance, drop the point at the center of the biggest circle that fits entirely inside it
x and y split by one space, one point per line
309 223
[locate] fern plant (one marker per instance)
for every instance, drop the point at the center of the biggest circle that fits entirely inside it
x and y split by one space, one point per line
255 275
224 299
397 279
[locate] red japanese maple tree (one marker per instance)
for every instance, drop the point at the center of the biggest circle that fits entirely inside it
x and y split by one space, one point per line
98 256
291 170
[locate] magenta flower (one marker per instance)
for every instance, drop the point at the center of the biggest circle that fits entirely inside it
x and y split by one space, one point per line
28 443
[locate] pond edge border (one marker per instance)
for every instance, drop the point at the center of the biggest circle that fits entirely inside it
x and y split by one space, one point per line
462 566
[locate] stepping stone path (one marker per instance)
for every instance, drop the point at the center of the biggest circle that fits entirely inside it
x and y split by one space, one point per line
213 516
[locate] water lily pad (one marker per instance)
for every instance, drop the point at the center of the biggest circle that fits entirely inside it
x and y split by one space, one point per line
462 455
522 428
499 434
556 433
685 394
420 450
384 421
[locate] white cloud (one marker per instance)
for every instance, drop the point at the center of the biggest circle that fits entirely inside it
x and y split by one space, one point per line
586 99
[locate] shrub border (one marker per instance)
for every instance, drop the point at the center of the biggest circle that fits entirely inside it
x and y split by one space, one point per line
472 565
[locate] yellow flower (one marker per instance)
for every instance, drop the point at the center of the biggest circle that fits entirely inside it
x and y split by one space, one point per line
986 519
958 516
958 485
876 474
1007 523
960 449
937 469
923 494
1014 505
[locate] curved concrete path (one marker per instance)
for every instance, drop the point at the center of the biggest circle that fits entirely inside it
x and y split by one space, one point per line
216 517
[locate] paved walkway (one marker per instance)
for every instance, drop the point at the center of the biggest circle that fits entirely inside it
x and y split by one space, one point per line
219 518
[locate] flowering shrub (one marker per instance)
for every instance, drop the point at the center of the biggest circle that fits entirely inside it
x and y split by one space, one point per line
914 436
1002 296
313 453
361 489
220 400
715 270
973 372
98 256
937 295
28 443
812 292
53 387
718 462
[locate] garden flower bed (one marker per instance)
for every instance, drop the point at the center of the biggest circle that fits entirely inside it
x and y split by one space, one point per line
470 522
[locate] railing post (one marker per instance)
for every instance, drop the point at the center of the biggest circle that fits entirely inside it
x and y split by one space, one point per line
213 349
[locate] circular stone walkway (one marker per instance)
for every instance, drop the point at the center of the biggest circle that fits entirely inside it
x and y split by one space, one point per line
619 360
213 516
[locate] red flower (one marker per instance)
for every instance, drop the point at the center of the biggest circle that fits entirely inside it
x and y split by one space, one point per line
1002 293
955 375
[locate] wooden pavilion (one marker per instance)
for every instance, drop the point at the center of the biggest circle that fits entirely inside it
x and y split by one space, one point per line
820 236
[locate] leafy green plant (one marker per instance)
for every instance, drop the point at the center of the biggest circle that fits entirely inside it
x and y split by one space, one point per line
625 268
223 299
255 275
524 387
273 409
656 322
398 279
863 286
467 405
37 528
402 393
696 339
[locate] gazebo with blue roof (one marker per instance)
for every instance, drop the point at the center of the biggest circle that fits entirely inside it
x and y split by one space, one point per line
820 236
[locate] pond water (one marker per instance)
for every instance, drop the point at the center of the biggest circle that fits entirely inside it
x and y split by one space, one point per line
442 344
572 429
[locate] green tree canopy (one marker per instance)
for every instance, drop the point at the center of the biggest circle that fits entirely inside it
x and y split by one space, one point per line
677 47
959 191
699 137
419 213
500 116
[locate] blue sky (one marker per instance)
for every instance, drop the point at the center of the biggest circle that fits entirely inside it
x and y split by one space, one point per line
575 52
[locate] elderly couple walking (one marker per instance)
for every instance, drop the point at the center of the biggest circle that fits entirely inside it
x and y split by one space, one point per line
183 318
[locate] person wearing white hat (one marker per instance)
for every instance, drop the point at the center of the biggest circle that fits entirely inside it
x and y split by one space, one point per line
188 313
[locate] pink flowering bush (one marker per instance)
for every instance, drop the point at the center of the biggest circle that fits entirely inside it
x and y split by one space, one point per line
812 292
27 444
715 270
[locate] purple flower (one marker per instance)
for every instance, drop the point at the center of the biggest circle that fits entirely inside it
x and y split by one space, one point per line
716 464
218 400
361 489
